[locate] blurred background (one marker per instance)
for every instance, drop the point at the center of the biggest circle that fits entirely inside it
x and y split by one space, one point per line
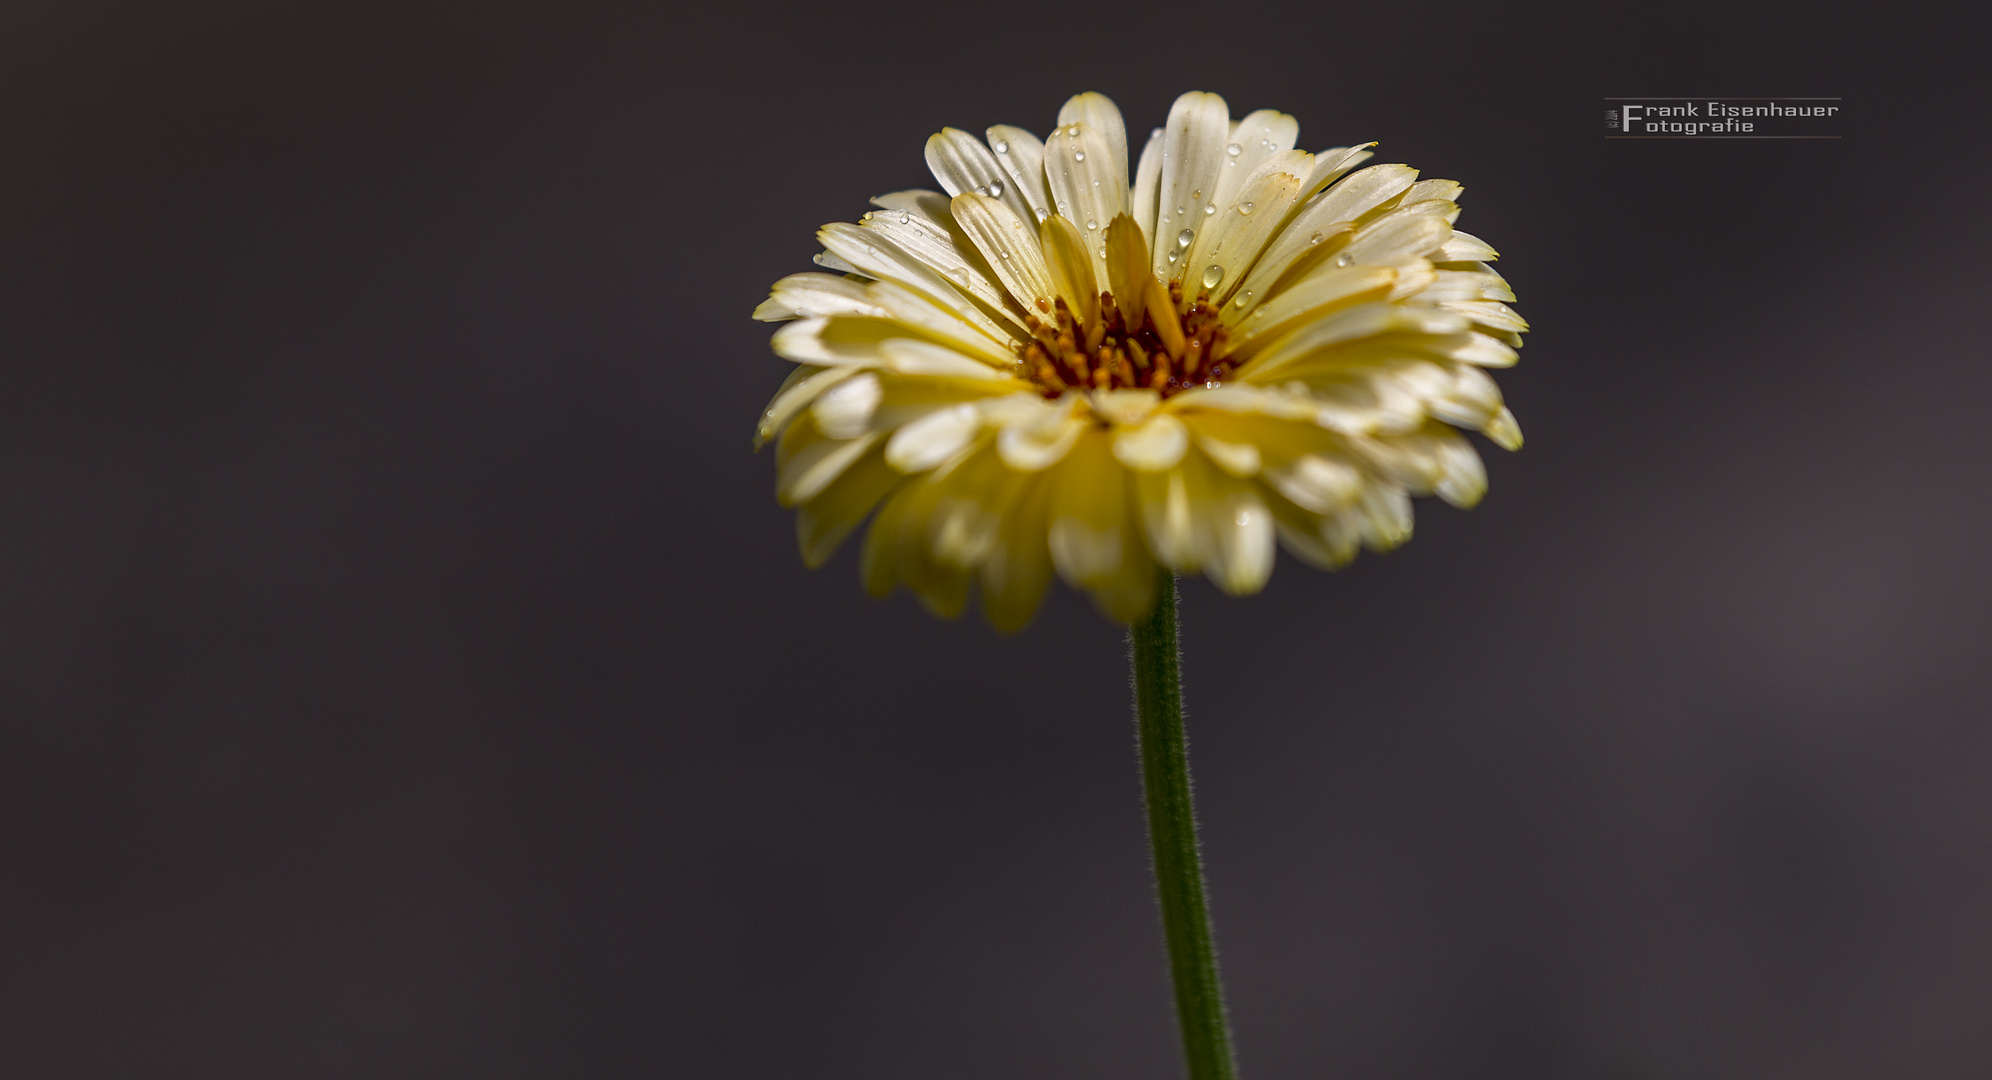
405 670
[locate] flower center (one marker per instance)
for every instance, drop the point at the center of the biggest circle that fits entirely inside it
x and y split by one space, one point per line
1167 352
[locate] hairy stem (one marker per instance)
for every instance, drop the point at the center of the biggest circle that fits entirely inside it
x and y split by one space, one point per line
1172 833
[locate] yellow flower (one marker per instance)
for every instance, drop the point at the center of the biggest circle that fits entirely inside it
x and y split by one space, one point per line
1049 369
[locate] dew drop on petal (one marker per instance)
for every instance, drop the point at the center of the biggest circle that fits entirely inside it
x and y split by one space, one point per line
1041 212
1209 209
1212 275
905 218
1156 134
1196 194
1078 155
1315 239
1243 299
1344 259
996 188
1002 146
1245 208
1174 255
1234 149
1183 238
959 276
982 189
1091 225
1232 164
1179 211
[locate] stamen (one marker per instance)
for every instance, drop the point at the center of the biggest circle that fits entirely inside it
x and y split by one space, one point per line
1169 352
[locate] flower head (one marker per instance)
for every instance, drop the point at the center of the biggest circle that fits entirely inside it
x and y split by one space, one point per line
1049 369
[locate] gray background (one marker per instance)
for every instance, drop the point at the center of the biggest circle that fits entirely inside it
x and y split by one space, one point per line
406 672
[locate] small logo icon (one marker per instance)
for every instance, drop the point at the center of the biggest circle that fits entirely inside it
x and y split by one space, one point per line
1612 119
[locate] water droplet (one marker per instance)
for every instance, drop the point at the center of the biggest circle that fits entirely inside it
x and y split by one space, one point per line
982 189
1231 164
996 188
905 218
1003 254
1244 208
1174 255
1196 194
1243 299
1041 212
1209 209
959 275
1344 259
1212 275
1315 239
1156 134
1091 225
919 232
870 250
1183 238
1234 149
867 217
1002 146
1179 211
1078 155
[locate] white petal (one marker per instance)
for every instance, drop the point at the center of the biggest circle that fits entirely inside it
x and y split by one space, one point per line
963 165
1314 298
1235 535
1256 139
1359 193
822 523
1320 219
1021 156
795 395
1010 244
1085 166
907 356
1234 238
812 466
932 321
1039 443
1466 247
1489 313
1467 285
932 439
801 296
940 244
1503 430
1318 483
1192 153
1240 459
845 410
1404 233
1147 184
1350 324
1330 164
877 256
1166 518
1156 445
1423 190
828 261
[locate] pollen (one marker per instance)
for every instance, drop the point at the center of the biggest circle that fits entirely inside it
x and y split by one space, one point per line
1180 351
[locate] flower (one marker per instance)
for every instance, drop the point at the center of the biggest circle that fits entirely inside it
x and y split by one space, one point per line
1048 370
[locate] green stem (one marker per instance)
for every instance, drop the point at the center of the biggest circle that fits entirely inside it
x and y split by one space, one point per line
1172 835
